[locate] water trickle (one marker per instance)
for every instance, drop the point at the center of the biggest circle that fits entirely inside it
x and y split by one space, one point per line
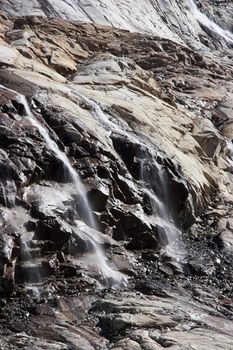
7 193
99 114
107 121
229 148
97 261
31 273
13 220
205 21
155 181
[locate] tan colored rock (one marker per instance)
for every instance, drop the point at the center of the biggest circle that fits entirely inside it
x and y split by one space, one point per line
62 63
209 139
8 55
125 344
16 35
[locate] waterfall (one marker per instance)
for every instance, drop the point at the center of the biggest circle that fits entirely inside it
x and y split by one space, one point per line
32 276
155 185
229 148
99 260
205 21
155 181
98 257
63 158
7 193
13 220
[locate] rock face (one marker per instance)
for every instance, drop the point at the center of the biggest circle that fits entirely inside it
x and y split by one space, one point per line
172 19
146 124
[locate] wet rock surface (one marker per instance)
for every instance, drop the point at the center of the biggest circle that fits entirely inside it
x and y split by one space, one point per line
163 106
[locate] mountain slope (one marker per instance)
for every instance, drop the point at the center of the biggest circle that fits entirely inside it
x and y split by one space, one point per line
116 178
175 20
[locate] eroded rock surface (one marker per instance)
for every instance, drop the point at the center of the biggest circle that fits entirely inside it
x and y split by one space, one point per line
109 104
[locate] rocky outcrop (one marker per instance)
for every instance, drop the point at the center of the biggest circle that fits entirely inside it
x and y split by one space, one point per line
177 21
113 106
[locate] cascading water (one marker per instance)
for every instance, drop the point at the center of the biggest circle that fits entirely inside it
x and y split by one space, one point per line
155 186
98 259
7 193
13 220
155 181
229 146
63 158
205 21
102 117
32 273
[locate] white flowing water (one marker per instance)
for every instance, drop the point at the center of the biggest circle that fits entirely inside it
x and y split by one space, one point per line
98 256
229 148
110 276
98 259
156 187
109 123
13 220
8 191
164 217
101 116
32 274
63 158
205 21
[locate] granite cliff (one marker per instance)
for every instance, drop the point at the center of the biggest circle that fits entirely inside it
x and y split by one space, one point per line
171 19
116 163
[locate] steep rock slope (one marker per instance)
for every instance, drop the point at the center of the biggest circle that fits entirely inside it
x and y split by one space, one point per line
146 123
160 101
175 20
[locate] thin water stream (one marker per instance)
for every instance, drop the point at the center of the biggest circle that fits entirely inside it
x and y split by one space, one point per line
155 181
99 114
31 275
78 186
214 27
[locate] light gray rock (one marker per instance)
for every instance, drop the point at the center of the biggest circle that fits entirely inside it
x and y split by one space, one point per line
174 20
193 324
